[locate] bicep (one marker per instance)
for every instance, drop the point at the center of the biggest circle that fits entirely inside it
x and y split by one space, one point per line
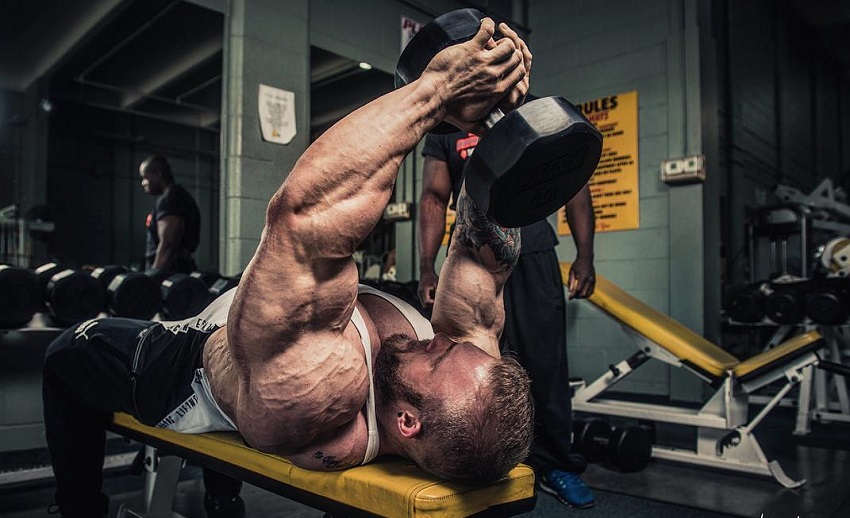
436 180
170 229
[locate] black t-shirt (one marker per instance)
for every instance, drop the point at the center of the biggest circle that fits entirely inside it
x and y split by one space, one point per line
176 201
454 149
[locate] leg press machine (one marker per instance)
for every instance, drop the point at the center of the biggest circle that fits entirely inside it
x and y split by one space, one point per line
725 438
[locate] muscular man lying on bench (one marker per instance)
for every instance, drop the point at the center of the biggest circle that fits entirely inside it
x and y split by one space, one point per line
302 363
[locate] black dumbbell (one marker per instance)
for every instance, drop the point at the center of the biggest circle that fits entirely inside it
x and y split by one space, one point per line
828 303
44 273
784 305
223 285
183 296
532 160
133 295
104 276
70 295
746 304
591 437
208 278
627 447
631 447
20 296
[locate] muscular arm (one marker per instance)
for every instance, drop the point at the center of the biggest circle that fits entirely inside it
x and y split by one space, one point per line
582 223
169 229
297 293
469 305
436 191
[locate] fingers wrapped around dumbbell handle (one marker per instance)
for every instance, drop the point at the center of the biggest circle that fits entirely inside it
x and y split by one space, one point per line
532 160
451 28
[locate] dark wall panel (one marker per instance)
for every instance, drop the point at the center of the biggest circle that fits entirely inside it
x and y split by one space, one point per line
94 190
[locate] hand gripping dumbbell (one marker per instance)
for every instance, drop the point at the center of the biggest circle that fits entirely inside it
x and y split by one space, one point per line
532 160
627 447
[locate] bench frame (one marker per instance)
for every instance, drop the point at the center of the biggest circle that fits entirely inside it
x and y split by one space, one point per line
724 437
722 417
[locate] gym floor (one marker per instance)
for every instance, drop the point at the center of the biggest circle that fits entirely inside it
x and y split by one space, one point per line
663 489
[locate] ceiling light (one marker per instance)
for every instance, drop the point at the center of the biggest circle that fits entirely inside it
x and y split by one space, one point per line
365 66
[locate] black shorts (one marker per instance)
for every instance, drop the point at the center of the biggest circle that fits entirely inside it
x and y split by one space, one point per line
126 365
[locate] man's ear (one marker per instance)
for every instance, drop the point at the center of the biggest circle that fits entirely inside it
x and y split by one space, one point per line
408 424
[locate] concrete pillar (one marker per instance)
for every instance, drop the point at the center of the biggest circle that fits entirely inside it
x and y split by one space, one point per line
266 42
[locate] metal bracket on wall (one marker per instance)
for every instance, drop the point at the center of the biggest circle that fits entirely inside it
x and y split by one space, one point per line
684 170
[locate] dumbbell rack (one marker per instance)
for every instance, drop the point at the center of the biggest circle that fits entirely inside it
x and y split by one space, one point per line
800 218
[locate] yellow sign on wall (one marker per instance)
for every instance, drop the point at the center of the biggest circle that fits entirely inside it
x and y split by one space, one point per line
614 184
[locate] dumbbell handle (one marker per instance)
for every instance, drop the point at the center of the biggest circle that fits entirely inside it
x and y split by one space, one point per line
493 117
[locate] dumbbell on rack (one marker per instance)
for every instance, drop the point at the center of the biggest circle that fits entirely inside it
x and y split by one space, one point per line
827 302
208 278
216 283
128 294
70 295
784 304
182 294
224 284
67 294
746 304
20 296
629 448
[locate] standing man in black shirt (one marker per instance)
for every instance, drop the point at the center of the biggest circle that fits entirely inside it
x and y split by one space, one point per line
535 327
173 234
174 224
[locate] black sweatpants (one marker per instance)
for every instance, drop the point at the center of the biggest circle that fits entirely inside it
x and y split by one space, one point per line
535 331
88 375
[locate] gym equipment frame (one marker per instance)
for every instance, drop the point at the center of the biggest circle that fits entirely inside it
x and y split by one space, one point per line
823 393
725 438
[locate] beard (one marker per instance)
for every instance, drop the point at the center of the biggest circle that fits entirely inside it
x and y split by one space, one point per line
389 382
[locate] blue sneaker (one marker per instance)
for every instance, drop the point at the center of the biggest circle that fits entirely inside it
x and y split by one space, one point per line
568 488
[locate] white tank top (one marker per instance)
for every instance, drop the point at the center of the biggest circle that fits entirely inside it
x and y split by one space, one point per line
200 413
423 330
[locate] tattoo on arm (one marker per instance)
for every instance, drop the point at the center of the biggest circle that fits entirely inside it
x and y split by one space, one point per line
476 232
330 461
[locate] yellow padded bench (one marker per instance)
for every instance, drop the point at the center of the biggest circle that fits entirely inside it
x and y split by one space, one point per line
658 327
387 487
724 433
